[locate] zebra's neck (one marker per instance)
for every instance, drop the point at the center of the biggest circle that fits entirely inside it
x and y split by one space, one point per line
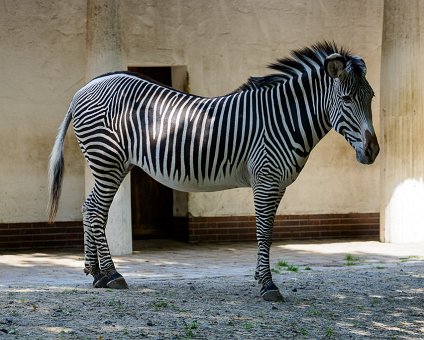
294 112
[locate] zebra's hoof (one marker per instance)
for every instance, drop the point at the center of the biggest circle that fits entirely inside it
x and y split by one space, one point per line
271 293
117 281
100 281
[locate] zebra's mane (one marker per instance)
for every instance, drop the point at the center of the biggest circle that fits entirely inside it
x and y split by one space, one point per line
300 61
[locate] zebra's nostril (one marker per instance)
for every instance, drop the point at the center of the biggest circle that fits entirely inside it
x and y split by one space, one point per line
371 147
368 152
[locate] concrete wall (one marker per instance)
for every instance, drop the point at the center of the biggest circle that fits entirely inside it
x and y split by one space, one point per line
402 123
42 64
224 42
43 49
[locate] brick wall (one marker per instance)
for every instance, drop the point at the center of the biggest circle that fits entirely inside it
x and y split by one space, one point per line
295 227
41 235
203 229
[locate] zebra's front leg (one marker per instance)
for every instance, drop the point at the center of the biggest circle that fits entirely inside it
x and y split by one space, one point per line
267 199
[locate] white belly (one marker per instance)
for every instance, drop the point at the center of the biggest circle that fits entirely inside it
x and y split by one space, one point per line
236 180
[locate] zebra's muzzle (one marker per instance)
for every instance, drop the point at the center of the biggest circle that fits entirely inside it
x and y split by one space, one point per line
369 152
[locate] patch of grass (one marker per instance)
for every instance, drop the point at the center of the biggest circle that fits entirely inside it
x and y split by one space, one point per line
303 332
352 260
329 332
248 326
189 329
314 312
69 291
292 268
281 264
375 300
360 308
308 268
161 304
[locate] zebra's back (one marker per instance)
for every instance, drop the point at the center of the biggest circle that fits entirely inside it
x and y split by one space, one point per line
186 142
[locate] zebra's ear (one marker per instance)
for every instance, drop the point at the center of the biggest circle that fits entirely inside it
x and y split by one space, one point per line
335 65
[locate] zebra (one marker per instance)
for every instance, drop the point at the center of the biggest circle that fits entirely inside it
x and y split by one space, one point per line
258 136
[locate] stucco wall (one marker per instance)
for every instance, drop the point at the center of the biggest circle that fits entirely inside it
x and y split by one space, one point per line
224 42
43 61
42 48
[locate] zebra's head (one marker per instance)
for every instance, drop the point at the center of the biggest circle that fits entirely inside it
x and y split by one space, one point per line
350 108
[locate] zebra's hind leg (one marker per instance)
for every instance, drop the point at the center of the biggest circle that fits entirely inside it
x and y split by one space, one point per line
267 199
98 261
91 261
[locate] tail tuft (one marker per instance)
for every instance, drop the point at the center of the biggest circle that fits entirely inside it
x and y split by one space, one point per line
56 169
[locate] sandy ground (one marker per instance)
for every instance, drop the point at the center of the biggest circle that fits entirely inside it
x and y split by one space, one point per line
336 290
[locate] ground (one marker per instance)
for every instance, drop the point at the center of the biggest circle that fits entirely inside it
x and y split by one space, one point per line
336 290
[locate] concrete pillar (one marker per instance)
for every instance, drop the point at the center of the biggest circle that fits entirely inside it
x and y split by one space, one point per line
105 54
402 122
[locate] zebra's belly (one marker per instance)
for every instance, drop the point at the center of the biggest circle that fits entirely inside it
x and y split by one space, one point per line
191 184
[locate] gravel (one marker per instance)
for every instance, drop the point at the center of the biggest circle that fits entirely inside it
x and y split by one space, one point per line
350 302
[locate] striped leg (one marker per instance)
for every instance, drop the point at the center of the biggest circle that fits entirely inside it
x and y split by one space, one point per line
98 261
91 260
267 198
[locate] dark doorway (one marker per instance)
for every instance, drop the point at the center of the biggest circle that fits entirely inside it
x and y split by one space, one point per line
151 202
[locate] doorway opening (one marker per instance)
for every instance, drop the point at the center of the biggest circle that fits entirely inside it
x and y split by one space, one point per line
157 211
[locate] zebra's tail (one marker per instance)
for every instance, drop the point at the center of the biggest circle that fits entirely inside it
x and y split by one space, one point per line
56 168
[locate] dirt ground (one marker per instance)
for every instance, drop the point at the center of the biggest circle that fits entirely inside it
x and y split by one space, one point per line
337 290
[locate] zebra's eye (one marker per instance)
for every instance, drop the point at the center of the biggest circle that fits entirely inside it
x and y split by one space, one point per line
347 99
